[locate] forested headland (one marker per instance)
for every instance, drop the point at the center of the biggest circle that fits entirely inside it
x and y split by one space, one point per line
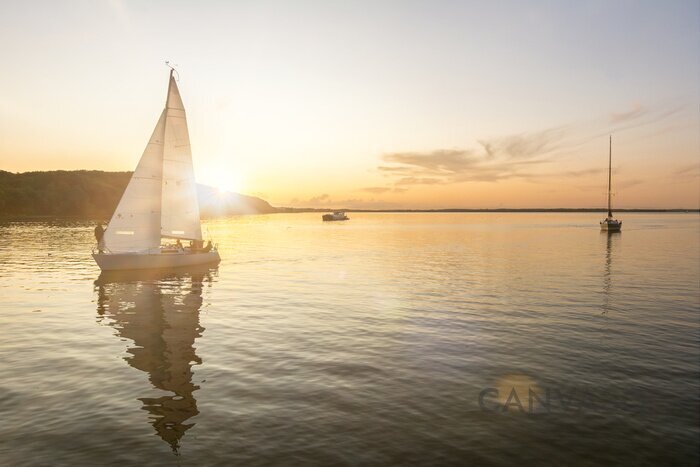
94 194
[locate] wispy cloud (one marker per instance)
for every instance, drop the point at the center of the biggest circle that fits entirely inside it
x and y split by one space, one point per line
630 183
419 181
498 159
325 197
583 172
383 189
602 189
641 117
376 189
438 161
514 156
687 171
525 145
634 113
328 202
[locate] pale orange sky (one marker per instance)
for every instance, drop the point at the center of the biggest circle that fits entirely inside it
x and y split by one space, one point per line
371 104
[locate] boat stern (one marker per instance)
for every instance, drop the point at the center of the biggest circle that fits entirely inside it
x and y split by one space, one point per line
610 225
129 261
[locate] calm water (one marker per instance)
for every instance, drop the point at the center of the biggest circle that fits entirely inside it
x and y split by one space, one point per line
365 342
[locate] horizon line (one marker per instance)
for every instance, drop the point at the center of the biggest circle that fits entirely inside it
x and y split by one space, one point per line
438 210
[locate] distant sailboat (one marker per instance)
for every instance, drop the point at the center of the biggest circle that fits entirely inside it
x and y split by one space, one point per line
610 224
160 201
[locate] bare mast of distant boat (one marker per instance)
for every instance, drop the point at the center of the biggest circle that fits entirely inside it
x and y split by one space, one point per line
610 224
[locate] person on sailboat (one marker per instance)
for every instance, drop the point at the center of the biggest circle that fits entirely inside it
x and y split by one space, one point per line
99 236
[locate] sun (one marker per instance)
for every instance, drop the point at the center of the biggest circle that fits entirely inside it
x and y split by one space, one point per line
228 182
224 180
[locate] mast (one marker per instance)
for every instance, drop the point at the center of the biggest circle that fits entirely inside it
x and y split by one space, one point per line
610 180
170 83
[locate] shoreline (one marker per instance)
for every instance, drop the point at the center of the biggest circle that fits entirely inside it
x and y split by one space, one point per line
488 210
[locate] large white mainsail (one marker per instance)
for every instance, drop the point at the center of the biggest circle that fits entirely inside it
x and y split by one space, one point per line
135 224
179 205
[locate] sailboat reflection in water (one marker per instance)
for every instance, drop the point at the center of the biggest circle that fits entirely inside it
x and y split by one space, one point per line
607 273
159 313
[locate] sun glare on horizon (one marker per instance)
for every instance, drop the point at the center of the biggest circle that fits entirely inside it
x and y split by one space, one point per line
224 179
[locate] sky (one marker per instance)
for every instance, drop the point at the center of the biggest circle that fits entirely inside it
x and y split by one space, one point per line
368 104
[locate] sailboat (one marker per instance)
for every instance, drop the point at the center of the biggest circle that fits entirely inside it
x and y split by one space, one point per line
159 202
610 224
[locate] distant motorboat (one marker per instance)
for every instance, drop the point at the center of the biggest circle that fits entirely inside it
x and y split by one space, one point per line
610 224
160 201
336 216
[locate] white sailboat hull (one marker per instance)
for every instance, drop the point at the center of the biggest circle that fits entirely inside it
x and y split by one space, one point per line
130 261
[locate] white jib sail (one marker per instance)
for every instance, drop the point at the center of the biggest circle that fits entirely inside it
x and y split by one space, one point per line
135 225
180 206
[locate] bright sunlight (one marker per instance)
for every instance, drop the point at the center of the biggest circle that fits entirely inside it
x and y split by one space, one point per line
223 178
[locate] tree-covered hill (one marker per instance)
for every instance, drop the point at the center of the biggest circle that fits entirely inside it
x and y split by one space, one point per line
94 194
